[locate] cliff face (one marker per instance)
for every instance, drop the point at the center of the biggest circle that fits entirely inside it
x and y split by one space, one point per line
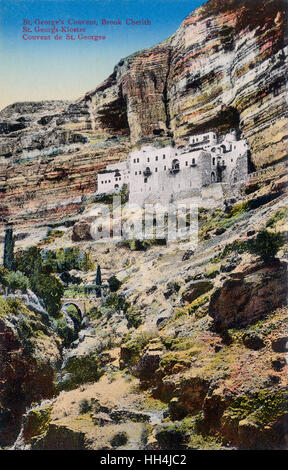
224 67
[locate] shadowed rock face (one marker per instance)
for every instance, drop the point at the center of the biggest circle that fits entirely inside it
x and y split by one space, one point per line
249 297
224 67
26 376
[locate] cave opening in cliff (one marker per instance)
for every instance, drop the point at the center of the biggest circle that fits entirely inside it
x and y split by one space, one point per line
113 116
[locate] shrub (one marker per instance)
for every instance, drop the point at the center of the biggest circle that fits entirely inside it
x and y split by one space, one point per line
174 435
94 313
279 215
81 369
68 278
84 406
131 350
65 259
134 318
117 302
119 439
114 283
238 209
265 245
12 306
17 280
66 333
37 422
29 261
3 273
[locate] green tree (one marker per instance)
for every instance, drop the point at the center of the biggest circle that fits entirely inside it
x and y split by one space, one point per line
117 302
17 280
50 289
266 245
29 261
114 283
8 256
68 278
98 280
86 262
3 273
45 285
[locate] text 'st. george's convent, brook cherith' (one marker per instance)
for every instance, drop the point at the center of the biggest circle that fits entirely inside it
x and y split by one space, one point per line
164 174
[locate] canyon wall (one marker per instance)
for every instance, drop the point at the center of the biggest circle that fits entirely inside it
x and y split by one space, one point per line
224 67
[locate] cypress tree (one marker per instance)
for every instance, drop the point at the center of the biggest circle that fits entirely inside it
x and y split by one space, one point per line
8 256
98 281
98 276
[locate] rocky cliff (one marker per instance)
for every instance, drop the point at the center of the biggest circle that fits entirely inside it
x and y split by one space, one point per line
224 67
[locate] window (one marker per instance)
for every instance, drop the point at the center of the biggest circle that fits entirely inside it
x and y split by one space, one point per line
156 169
213 161
134 160
139 173
135 172
193 161
148 159
156 158
186 163
145 180
231 159
137 160
102 182
164 167
164 156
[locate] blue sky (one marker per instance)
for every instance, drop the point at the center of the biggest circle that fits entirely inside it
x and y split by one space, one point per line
35 70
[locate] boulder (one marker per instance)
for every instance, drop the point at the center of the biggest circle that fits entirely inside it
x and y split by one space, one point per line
253 341
195 289
280 345
249 296
82 231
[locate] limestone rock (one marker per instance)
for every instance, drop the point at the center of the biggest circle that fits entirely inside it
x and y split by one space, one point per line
246 299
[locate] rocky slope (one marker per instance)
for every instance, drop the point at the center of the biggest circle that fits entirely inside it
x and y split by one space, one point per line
30 353
224 67
195 358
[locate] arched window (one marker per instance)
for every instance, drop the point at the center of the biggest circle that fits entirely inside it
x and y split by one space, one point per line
213 161
175 164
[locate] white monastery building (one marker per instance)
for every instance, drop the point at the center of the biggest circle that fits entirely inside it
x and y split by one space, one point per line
165 174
